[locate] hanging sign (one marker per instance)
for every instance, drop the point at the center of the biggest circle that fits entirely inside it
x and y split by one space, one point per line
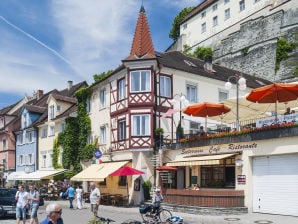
97 153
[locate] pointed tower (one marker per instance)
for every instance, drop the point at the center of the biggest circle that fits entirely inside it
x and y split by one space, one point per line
142 46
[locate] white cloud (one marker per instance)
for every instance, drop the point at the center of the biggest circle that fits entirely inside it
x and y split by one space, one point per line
95 34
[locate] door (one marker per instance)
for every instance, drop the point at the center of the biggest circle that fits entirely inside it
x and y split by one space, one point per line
275 184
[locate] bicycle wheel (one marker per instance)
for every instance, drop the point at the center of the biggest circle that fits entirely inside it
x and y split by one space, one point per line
164 215
146 217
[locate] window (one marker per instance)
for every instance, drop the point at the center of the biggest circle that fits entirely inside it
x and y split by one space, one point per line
122 181
242 5
52 130
30 159
214 7
44 161
227 14
212 176
102 98
215 21
62 127
165 86
203 14
227 1
88 107
4 144
191 93
121 89
222 95
102 137
1 122
59 108
44 132
52 112
24 120
140 81
141 125
20 139
21 160
89 139
122 130
29 136
194 125
184 26
203 27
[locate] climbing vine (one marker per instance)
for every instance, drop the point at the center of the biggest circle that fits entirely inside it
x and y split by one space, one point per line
56 153
283 48
74 138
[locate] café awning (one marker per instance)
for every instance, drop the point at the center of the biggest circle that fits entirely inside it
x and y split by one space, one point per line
199 160
36 175
98 172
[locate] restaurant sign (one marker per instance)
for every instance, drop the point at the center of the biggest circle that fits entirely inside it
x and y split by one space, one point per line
219 149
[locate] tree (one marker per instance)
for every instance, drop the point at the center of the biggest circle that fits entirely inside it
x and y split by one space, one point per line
175 31
200 52
101 76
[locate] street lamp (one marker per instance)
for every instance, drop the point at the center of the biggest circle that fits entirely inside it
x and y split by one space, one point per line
183 102
240 84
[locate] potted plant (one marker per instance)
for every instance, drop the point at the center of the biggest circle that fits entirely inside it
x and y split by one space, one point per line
179 132
159 136
146 188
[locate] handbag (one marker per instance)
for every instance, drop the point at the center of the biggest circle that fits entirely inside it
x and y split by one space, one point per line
41 201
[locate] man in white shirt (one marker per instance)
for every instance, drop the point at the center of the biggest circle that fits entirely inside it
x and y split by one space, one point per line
22 201
94 198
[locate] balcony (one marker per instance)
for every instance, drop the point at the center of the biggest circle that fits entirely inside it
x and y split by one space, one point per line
246 135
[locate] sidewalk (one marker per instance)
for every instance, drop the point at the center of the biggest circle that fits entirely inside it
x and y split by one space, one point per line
247 218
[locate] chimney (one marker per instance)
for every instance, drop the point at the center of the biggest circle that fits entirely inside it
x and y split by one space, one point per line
69 84
39 94
208 64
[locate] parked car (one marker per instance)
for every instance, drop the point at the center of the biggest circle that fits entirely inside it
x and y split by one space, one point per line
7 202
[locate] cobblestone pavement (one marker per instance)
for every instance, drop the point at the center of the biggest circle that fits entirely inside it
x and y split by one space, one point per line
119 214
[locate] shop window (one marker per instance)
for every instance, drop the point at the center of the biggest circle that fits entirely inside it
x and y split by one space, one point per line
122 181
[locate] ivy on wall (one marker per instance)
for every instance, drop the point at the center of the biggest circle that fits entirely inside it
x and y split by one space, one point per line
74 138
282 51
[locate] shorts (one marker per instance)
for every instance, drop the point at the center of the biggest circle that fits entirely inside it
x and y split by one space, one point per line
94 207
33 210
20 212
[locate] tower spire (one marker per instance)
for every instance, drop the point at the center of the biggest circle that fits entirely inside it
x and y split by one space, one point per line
142 45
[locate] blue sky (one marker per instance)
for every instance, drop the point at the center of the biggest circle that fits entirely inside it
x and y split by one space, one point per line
46 43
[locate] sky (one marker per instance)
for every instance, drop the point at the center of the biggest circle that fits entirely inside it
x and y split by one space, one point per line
45 43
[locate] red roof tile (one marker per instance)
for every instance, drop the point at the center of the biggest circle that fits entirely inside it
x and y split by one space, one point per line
142 46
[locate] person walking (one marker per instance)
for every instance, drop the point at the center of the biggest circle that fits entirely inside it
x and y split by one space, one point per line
79 196
54 212
33 199
94 198
70 192
22 202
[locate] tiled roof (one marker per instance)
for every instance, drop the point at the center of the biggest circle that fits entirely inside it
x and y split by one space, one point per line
35 109
64 98
70 92
142 45
69 111
205 4
179 61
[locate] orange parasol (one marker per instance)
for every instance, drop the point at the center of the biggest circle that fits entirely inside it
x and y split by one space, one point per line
206 109
273 93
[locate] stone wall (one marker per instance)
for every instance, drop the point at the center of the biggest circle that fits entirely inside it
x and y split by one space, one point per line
252 49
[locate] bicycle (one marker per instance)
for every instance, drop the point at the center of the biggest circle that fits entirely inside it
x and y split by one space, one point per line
100 220
161 215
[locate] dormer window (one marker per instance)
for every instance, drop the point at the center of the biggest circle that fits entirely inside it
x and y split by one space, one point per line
59 108
52 112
